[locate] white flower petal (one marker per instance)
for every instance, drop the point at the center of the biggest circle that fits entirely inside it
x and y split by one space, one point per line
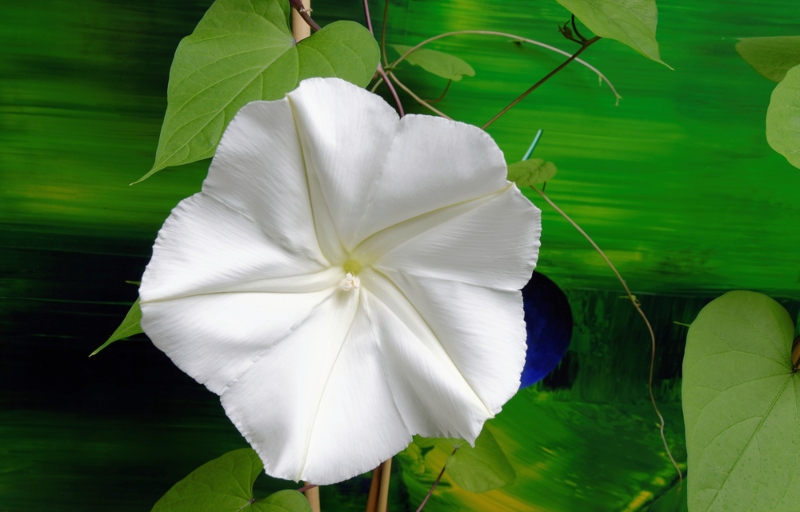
435 395
481 330
375 171
316 406
206 247
492 243
433 163
344 143
215 338
258 169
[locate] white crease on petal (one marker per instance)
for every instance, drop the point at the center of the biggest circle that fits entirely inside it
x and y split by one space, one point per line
393 298
357 425
376 246
327 233
274 403
304 283
205 246
344 144
495 244
258 168
214 338
481 329
428 389
432 163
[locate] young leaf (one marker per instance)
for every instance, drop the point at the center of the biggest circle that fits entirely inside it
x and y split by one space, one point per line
528 173
740 403
241 51
632 22
225 484
783 117
482 468
128 327
439 63
772 57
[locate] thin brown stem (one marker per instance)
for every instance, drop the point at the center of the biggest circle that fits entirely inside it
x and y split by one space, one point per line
380 67
383 494
433 487
307 487
515 37
392 89
638 307
575 29
372 500
417 98
547 77
298 6
366 16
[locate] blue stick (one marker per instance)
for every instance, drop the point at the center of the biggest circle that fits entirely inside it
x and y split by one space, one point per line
533 145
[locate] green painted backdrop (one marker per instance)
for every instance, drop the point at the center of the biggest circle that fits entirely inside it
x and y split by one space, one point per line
677 184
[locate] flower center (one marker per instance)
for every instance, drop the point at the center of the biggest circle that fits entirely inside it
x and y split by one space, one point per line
352 267
349 282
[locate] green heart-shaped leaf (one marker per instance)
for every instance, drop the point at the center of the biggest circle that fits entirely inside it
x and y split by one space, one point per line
770 56
438 63
741 404
482 468
783 117
225 484
242 51
528 173
632 22
128 327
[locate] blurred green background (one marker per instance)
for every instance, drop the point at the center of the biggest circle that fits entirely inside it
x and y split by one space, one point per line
677 184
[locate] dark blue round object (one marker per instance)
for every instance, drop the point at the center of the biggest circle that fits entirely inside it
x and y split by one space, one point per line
548 320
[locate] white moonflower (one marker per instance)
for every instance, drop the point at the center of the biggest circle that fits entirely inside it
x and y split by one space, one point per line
346 279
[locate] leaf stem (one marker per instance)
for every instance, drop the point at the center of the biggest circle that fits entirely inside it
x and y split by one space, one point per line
419 100
441 96
575 29
383 32
367 17
600 75
380 67
433 487
547 77
393 90
300 8
638 307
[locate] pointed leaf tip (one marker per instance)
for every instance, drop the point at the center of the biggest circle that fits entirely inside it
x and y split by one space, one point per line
130 325
771 57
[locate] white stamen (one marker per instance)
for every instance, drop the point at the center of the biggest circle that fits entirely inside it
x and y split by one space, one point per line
349 282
